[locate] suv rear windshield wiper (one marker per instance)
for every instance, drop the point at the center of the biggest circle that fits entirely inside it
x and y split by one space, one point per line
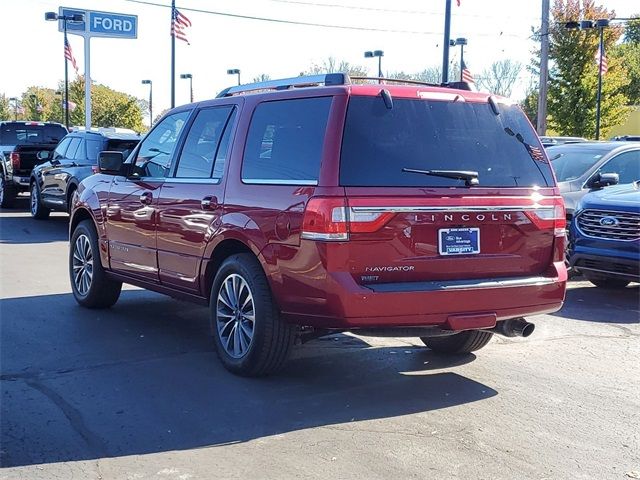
470 177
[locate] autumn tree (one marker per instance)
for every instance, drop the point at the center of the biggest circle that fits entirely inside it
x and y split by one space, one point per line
5 109
573 74
628 54
500 77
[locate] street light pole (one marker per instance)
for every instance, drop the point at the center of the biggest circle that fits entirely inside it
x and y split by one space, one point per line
15 108
76 17
601 24
150 83
379 54
234 71
445 45
190 78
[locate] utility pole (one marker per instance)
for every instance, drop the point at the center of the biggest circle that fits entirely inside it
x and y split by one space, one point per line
445 45
544 69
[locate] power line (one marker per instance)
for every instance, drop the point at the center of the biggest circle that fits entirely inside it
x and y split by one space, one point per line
312 24
390 10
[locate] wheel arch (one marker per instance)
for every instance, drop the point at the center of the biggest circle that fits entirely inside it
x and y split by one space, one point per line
223 250
80 214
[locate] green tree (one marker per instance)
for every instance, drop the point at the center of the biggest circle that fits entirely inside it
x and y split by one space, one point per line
632 32
5 110
573 74
530 105
109 108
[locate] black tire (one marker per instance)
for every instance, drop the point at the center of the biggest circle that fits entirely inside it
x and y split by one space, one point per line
100 291
72 191
607 283
271 339
8 193
463 342
38 211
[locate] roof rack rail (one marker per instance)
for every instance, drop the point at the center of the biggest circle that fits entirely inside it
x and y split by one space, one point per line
286 83
398 80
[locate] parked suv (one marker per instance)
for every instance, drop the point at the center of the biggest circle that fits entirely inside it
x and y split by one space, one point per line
22 146
309 205
605 236
54 182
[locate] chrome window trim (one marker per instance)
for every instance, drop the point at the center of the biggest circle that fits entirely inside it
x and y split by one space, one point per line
276 181
198 180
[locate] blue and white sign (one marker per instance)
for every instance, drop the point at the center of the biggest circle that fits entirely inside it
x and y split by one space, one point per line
101 24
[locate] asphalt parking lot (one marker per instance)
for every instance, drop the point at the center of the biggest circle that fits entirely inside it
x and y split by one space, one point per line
136 392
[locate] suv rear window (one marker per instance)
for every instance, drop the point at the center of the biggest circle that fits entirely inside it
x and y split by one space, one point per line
285 139
20 134
379 142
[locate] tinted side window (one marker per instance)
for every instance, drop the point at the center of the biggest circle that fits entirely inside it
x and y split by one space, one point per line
81 152
124 146
626 165
73 147
199 151
285 139
155 153
223 149
61 149
94 147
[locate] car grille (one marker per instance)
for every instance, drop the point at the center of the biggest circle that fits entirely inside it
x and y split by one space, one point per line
609 265
627 227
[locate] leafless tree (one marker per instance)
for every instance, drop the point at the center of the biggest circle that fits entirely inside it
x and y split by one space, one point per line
500 77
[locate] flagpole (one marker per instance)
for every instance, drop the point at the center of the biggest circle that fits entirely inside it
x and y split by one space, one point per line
173 55
445 45
599 97
66 76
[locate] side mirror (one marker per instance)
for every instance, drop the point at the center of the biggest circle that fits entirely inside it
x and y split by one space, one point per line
44 155
601 180
110 163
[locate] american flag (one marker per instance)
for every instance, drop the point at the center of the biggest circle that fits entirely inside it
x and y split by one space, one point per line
458 2
466 74
68 54
604 67
178 25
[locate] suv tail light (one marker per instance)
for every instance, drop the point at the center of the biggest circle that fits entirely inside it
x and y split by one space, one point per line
331 219
553 217
15 160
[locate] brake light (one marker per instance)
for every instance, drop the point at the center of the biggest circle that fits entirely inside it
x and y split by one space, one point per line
331 219
15 160
550 216
325 219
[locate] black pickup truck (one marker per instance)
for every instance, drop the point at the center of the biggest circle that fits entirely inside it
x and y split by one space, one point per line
23 145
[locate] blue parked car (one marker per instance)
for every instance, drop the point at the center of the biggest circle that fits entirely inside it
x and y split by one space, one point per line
605 236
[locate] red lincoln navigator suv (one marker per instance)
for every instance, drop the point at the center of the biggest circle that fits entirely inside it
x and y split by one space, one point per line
298 207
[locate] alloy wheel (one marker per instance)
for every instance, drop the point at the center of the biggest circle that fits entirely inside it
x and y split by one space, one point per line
235 315
34 199
82 264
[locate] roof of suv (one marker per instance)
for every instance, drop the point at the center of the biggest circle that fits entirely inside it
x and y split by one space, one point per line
106 134
333 83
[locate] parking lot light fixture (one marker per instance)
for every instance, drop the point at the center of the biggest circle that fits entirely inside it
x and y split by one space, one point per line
15 107
150 83
234 71
190 78
373 54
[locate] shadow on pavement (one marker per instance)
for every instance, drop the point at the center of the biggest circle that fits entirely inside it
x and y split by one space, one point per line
594 304
16 227
142 377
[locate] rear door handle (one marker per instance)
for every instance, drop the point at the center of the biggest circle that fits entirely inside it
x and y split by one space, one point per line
209 203
146 198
